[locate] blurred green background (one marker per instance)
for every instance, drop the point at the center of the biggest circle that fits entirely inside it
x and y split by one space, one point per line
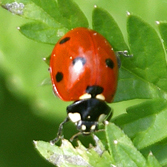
28 109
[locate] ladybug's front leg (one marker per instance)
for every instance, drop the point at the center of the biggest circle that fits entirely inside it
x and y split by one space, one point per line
59 133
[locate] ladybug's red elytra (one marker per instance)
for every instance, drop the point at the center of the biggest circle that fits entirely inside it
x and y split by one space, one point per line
84 69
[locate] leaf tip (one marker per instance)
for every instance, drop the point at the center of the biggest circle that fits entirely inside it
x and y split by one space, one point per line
95 6
47 60
44 58
128 13
18 28
157 22
35 142
150 153
115 142
106 122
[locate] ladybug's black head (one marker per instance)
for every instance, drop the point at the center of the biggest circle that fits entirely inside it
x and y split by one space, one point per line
87 113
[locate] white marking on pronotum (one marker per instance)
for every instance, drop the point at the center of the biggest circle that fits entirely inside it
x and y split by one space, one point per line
15 7
74 117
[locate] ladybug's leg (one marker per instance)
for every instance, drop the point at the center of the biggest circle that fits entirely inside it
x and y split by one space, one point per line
122 53
75 136
59 133
106 121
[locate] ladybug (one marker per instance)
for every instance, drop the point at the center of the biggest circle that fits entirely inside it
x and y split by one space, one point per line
84 69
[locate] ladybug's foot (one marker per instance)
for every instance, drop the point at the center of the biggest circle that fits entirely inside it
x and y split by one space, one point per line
124 53
55 140
59 133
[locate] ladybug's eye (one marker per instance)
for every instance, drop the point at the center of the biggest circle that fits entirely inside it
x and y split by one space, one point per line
109 63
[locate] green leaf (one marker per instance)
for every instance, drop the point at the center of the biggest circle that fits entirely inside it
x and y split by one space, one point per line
145 123
63 156
163 31
152 161
72 13
131 86
159 150
104 23
68 156
52 20
148 53
41 32
143 76
51 8
47 60
122 149
121 152
29 10
47 28
97 155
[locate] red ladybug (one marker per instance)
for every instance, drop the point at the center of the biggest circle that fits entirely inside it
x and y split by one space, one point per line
84 69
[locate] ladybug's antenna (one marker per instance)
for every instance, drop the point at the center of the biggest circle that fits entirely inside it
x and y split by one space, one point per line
59 133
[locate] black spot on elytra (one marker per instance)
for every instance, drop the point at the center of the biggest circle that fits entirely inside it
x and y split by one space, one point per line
109 63
59 76
94 90
83 60
64 40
